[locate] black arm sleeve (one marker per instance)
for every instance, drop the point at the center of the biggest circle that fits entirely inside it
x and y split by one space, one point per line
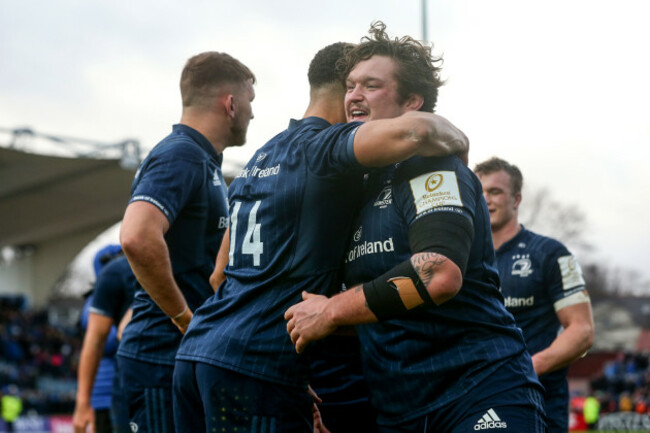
445 233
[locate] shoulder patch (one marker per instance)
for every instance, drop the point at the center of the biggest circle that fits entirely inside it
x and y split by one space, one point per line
436 189
571 272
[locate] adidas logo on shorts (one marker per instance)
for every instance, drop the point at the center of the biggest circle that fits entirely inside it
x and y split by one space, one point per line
489 420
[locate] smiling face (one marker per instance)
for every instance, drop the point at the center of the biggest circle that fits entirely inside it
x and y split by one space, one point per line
502 203
372 91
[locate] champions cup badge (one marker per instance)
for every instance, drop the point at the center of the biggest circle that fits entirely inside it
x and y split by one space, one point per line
435 190
433 182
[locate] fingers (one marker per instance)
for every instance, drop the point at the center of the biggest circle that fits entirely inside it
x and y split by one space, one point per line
290 328
296 339
300 345
314 396
288 315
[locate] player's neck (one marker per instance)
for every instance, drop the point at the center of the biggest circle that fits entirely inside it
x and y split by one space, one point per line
326 103
214 131
506 232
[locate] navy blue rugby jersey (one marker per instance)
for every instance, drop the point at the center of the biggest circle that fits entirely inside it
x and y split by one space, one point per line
182 177
435 354
538 277
114 290
291 211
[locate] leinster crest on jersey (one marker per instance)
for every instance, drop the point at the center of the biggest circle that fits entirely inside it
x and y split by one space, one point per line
522 265
384 198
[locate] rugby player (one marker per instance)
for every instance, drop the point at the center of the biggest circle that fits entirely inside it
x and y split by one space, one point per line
172 229
543 288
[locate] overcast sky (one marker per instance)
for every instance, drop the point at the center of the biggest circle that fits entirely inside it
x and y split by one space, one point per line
558 87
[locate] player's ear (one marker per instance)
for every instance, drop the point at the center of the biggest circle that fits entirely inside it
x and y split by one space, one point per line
517 201
228 102
414 102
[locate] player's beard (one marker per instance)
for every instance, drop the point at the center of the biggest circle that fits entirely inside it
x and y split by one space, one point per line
238 132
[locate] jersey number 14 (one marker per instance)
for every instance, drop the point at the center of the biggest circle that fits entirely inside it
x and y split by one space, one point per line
252 243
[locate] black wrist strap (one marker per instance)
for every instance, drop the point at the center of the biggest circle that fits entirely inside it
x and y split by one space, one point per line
395 292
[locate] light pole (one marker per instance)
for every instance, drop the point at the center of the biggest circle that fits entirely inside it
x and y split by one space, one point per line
425 36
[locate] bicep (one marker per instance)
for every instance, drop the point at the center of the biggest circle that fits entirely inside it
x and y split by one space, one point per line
578 313
142 217
447 234
99 326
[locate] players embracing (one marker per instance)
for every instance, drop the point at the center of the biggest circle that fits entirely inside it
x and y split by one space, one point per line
440 352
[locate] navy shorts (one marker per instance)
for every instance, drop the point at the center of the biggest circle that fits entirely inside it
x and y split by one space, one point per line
147 389
209 398
337 377
119 407
487 416
557 405
503 403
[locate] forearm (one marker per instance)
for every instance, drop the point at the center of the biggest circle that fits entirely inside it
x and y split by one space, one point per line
427 278
442 138
570 345
218 275
91 355
349 308
151 265
126 318
382 142
142 237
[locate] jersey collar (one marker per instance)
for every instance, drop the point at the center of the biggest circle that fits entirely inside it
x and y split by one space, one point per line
199 139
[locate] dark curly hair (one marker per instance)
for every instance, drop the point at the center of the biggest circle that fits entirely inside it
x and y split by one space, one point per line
322 69
417 72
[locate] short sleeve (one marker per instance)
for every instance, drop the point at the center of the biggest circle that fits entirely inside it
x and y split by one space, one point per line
563 274
429 185
167 181
109 294
331 150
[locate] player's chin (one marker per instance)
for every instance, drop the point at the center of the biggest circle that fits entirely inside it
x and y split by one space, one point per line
238 140
358 118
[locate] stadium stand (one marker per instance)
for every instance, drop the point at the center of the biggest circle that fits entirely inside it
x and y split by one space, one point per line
40 358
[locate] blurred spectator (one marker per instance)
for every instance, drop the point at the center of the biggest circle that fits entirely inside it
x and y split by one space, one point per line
11 405
591 410
607 403
625 402
40 358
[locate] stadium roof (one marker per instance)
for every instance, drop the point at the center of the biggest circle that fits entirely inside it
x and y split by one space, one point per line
44 197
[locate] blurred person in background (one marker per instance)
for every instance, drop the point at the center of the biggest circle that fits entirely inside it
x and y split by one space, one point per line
12 405
543 287
99 401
